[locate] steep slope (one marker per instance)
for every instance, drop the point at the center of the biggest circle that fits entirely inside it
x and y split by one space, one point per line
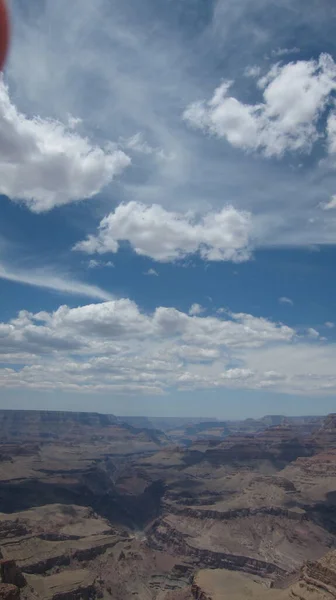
315 581
39 426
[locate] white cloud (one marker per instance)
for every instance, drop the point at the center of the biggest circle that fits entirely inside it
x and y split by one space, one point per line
196 309
137 143
331 132
116 347
331 205
313 333
48 279
238 374
305 368
152 272
195 354
45 164
93 264
99 264
253 71
285 300
166 236
285 51
294 97
141 91
73 122
330 325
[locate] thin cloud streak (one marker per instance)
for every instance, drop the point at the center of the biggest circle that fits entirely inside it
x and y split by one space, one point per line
53 281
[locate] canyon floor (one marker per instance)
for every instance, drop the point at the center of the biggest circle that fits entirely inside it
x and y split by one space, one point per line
92 506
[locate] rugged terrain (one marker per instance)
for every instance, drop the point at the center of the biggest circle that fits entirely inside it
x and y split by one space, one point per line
188 430
94 507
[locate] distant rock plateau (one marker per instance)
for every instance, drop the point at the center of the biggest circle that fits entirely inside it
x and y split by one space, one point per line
98 506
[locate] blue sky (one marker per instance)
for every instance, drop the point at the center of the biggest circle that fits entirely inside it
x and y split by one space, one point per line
168 207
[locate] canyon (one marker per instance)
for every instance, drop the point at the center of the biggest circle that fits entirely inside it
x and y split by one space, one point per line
97 506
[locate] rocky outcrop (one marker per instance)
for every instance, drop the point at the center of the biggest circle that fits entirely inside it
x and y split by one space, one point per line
235 514
198 593
9 451
185 433
11 574
29 427
12 529
87 592
165 537
325 437
9 592
321 574
39 558
21 425
278 445
79 584
315 581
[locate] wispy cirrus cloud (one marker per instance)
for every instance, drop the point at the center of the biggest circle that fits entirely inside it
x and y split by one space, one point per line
50 280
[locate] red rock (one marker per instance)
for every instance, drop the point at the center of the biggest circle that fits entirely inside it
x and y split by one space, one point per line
9 592
11 574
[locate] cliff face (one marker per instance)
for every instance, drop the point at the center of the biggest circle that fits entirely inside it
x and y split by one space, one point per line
26 427
325 437
47 425
182 431
315 581
278 445
9 592
10 573
12 580
164 535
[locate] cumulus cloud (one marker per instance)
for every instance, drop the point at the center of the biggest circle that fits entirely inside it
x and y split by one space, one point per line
305 368
45 164
294 97
196 309
285 300
152 273
103 325
330 325
167 236
115 346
